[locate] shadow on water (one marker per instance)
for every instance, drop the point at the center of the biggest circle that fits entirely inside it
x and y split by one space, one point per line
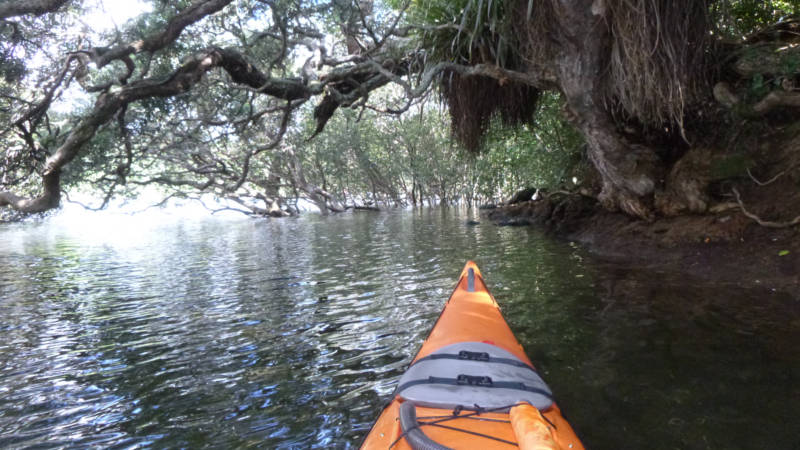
291 333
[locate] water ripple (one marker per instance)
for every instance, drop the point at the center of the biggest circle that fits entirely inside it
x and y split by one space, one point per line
293 333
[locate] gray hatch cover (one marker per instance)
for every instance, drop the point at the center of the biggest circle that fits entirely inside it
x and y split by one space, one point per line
473 373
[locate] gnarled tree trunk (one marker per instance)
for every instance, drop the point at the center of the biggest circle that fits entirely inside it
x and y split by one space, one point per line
628 171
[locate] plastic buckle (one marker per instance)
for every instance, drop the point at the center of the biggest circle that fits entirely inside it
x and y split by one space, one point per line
473 356
474 380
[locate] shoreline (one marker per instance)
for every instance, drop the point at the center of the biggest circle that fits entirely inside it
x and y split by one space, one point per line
728 247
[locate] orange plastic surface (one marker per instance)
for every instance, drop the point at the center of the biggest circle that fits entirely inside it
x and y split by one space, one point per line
467 316
531 429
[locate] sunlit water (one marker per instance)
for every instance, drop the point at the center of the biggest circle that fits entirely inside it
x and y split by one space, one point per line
292 333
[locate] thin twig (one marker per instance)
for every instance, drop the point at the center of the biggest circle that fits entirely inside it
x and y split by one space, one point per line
760 221
773 179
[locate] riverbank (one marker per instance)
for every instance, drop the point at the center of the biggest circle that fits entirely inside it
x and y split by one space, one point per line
727 247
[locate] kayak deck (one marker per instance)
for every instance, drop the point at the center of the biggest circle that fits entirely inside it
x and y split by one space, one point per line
471 317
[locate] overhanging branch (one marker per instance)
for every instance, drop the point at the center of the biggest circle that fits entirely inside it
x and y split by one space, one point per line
110 103
17 8
198 10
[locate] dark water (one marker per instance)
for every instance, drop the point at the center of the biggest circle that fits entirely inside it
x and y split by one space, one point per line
291 334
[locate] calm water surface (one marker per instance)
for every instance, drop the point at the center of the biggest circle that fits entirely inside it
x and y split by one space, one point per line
292 333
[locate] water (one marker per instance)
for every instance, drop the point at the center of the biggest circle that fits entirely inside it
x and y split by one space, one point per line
292 333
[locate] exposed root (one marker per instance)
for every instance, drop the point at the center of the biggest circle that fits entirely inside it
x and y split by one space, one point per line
723 207
775 99
760 221
724 95
579 192
773 179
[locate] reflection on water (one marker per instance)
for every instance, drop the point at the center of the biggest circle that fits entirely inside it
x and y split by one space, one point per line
291 333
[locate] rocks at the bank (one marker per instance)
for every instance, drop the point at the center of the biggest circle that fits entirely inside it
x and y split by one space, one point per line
560 215
728 247
515 222
524 195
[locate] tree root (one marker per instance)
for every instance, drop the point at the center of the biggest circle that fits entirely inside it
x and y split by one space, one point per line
760 221
581 192
726 97
773 179
775 99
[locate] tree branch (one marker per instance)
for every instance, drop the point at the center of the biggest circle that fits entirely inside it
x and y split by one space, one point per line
12 8
109 103
272 144
198 10
36 111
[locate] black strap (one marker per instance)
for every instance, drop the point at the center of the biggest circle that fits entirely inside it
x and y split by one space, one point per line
514 385
455 416
474 433
487 359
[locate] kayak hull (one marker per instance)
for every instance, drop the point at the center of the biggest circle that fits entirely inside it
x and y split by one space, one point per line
471 314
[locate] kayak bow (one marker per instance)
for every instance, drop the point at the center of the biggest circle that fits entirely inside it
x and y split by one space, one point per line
471 385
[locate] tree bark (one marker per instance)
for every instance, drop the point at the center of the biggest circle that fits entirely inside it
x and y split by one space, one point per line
273 196
628 170
15 8
194 13
685 185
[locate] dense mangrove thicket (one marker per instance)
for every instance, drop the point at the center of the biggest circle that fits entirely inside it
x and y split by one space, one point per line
364 158
653 108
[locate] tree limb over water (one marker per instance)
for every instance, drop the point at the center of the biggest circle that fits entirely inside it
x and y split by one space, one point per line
15 8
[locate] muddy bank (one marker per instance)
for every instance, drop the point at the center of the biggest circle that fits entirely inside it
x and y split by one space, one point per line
727 247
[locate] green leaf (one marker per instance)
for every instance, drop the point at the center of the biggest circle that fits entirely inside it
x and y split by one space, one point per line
783 252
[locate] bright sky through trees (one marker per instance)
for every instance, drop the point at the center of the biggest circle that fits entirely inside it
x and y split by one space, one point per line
115 12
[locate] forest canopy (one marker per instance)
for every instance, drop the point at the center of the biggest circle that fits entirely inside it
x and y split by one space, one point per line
343 103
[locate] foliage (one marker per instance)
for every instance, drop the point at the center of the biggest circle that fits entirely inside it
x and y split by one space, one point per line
736 19
366 157
731 166
767 67
465 31
546 156
475 32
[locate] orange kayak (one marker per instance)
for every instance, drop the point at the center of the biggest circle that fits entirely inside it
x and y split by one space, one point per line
471 386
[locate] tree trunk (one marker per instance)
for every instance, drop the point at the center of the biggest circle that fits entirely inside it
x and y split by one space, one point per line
322 199
319 202
628 170
273 198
